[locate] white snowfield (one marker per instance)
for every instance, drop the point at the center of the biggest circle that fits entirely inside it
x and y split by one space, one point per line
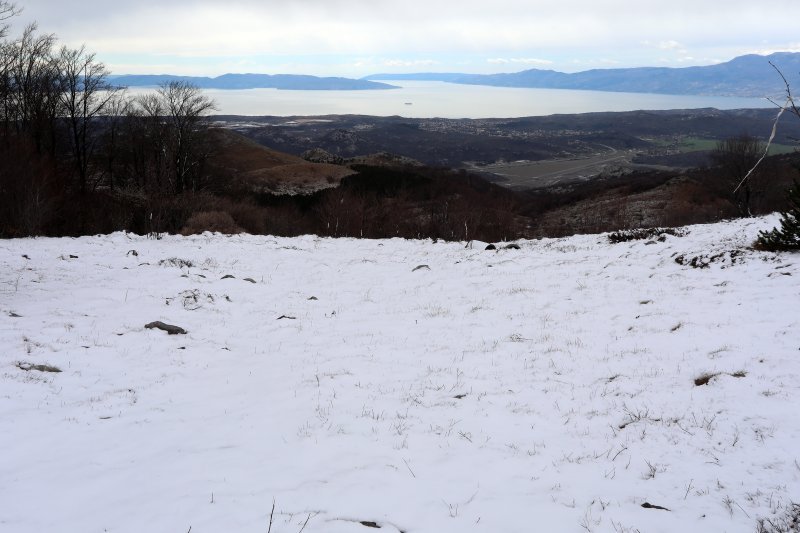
550 388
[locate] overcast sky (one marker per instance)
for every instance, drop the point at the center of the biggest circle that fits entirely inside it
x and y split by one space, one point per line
357 37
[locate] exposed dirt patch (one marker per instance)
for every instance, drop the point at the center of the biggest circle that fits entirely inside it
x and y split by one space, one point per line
704 379
27 367
727 258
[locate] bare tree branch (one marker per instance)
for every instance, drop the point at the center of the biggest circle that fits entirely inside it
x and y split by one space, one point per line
788 105
7 10
789 98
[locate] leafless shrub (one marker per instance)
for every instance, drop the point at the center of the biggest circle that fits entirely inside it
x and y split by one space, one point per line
659 234
216 221
177 262
735 157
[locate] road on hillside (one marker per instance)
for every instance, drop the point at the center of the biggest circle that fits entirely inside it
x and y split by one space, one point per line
538 174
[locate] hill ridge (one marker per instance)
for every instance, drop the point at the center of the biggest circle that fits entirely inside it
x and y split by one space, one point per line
749 75
253 81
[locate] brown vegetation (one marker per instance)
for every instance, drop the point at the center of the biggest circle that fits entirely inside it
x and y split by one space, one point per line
78 157
214 221
653 199
252 167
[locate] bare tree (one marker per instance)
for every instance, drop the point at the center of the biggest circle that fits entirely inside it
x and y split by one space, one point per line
117 112
85 95
7 10
6 56
32 102
735 157
147 140
185 106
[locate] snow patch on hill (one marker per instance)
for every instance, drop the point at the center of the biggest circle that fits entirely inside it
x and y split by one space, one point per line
570 385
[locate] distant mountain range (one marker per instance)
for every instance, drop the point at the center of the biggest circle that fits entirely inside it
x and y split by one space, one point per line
253 81
749 75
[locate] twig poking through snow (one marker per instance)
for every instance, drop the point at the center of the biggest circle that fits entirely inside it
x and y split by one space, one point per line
271 515
409 469
305 523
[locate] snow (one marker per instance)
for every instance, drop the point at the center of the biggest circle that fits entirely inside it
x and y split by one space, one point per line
549 388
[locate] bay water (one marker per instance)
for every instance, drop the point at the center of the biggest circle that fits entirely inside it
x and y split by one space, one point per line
426 99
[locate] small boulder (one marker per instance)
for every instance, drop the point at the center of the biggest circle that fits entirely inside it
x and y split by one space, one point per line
172 330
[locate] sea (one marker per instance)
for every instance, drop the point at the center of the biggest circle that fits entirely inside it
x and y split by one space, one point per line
428 99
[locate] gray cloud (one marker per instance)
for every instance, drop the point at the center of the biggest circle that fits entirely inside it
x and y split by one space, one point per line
500 29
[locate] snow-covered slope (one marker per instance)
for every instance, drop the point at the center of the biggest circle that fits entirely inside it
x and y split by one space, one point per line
550 388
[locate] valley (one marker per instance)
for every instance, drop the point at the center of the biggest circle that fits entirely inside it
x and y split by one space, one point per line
522 153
